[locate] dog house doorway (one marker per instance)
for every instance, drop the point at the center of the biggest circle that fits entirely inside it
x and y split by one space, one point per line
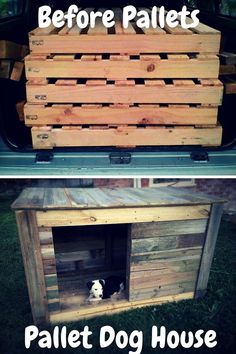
85 253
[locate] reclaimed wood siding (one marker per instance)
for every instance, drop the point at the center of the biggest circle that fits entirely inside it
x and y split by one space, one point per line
165 257
49 268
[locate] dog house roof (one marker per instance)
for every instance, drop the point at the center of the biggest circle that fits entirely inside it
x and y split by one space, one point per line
86 198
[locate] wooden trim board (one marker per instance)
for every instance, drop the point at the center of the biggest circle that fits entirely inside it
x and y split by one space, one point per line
114 307
33 264
120 215
48 138
208 249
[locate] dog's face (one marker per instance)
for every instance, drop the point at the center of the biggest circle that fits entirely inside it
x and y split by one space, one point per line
96 288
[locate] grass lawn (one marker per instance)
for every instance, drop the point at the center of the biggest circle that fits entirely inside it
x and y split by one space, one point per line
217 310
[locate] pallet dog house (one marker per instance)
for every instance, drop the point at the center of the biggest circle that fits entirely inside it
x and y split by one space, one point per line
161 240
123 87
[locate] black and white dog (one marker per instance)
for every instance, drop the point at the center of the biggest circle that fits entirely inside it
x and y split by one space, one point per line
104 288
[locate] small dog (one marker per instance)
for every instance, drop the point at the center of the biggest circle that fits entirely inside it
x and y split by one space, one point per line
104 288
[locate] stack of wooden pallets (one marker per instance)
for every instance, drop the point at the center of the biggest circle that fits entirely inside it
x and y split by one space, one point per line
123 87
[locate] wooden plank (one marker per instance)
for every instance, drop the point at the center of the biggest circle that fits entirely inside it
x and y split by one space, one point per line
184 193
204 29
114 307
66 30
17 71
230 85
227 69
20 110
144 114
66 83
178 30
48 138
168 266
56 197
127 197
31 198
75 30
133 43
30 246
51 280
208 250
49 266
120 215
103 198
119 29
128 94
190 240
163 197
164 290
153 279
45 236
80 198
167 228
179 254
99 28
51 29
47 252
153 244
201 28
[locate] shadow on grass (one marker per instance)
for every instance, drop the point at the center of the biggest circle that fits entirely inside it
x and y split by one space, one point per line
217 310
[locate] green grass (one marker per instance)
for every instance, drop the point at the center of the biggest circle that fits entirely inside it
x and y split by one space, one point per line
215 311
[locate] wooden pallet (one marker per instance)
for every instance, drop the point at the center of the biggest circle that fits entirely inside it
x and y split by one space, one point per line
111 81
132 40
120 67
116 114
49 137
125 91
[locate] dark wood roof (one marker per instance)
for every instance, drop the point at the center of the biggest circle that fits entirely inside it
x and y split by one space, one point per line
84 198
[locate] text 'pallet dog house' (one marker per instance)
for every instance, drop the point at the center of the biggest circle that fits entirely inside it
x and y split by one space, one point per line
123 86
161 239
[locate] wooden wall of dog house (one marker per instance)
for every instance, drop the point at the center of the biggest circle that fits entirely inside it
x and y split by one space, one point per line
165 257
49 268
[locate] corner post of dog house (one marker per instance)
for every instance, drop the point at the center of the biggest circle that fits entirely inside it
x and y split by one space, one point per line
208 249
33 264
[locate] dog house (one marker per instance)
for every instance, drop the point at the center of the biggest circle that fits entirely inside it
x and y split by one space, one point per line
160 239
